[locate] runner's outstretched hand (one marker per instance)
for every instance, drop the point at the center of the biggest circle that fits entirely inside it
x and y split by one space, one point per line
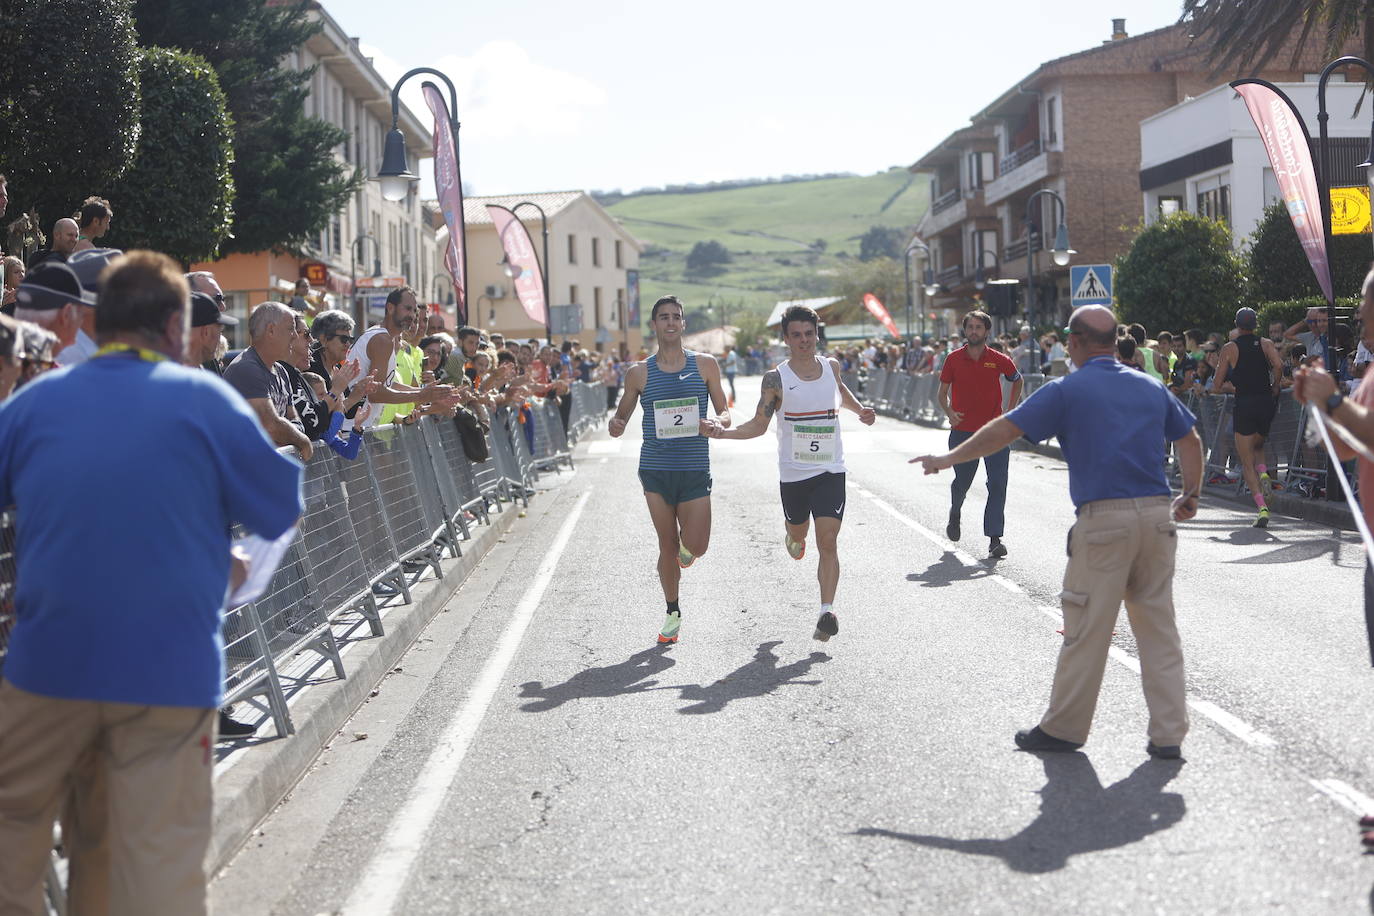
867 416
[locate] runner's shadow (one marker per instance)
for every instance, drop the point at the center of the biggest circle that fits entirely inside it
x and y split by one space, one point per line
946 571
759 677
1077 816
608 681
1245 537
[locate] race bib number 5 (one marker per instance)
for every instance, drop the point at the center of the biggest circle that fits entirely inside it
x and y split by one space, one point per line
813 444
676 418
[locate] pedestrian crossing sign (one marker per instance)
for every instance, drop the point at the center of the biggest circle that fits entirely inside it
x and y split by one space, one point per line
1091 284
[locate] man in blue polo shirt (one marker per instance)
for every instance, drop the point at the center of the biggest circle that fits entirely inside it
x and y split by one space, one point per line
1112 423
115 664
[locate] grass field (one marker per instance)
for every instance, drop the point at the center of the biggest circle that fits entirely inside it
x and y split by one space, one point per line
769 230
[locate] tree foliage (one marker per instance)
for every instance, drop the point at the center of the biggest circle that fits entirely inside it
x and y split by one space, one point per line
1279 268
69 101
287 181
883 277
177 196
1247 34
881 242
707 257
1180 272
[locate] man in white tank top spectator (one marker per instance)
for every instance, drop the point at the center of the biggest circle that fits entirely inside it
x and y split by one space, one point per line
378 346
808 391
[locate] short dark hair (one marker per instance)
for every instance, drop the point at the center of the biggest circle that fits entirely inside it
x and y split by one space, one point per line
441 339
1164 337
1126 347
468 331
93 209
1194 334
504 356
800 313
139 293
395 295
1137 331
666 300
980 315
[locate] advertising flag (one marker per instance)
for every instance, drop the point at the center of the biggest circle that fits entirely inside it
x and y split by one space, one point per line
1290 154
879 312
449 185
519 249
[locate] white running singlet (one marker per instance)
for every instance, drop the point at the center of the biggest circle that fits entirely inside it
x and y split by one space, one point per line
809 425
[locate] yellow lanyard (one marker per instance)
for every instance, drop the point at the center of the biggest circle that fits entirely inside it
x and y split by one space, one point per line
148 356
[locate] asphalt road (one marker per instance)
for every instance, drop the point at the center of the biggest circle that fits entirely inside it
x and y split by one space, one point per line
535 752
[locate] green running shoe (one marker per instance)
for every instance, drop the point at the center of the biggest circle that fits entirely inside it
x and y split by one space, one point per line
1263 520
684 557
795 549
670 627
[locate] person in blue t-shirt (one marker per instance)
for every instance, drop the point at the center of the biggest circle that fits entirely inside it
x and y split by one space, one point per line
1112 423
115 665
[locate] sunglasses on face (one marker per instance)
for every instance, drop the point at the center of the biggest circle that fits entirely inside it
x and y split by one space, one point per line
345 338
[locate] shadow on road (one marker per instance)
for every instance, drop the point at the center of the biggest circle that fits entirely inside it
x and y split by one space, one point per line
759 677
608 681
946 571
1077 816
1246 537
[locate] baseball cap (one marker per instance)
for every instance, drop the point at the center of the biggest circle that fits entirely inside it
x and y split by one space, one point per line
49 286
1246 319
89 264
205 312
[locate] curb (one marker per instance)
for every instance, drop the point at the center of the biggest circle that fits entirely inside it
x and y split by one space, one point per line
248 792
1319 511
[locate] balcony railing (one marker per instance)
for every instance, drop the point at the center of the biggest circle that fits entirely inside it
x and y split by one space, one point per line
950 276
1017 249
1019 157
945 200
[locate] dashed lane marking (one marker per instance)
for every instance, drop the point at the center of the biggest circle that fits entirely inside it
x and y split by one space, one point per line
1342 793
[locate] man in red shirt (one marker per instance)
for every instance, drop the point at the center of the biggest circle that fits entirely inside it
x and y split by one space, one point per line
971 395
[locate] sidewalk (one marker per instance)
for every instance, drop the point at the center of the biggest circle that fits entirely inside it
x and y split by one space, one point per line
1317 511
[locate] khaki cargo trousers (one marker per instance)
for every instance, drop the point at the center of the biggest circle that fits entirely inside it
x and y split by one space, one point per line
1120 550
133 787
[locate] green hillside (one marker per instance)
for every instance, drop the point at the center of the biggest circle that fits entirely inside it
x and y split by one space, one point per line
772 231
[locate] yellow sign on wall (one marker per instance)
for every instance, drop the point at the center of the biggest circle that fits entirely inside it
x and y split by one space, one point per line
1349 211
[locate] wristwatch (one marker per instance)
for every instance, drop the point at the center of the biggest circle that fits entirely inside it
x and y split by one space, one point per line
1333 402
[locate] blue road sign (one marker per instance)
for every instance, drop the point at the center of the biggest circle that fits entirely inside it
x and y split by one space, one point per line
1090 284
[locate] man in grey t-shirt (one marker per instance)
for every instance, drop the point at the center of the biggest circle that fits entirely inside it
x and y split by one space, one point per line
263 384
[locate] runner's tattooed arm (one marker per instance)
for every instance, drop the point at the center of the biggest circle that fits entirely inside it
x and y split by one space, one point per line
769 402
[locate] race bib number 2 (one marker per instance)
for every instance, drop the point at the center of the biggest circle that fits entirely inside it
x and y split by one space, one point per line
813 444
676 418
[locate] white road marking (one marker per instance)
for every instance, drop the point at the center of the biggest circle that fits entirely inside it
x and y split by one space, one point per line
379 886
1220 717
604 447
1351 799
1238 727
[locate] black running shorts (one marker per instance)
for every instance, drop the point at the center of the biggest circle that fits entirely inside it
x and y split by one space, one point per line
1254 413
821 496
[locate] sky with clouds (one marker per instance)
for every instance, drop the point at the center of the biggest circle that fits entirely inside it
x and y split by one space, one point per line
606 94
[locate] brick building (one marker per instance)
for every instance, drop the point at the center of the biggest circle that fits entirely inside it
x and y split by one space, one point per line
1073 126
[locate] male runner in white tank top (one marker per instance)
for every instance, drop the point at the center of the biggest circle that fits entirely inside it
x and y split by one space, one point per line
808 391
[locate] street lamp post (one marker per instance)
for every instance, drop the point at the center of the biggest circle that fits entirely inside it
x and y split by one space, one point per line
395 176
353 270
1324 191
513 270
1062 251
929 288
